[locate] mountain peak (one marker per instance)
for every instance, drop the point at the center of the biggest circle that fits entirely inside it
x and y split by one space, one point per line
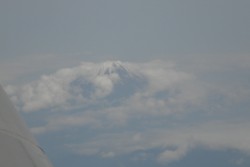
110 67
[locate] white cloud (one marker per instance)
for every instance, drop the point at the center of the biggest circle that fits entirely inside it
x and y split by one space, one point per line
174 143
172 155
87 83
122 97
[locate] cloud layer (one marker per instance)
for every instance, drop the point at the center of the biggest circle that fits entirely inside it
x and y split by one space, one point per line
133 107
173 143
155 84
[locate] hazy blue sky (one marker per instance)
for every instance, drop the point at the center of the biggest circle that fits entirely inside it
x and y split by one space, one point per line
179 96
73 31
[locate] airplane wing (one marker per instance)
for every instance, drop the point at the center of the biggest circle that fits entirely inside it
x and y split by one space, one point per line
17 146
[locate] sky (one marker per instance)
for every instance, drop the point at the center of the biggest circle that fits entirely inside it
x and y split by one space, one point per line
131 83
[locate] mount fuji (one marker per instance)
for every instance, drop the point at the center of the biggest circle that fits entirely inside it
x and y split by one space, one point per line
112 80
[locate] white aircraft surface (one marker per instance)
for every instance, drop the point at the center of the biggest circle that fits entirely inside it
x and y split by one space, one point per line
17 146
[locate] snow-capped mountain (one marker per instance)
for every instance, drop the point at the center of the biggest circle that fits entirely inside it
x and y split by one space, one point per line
111 67
113 80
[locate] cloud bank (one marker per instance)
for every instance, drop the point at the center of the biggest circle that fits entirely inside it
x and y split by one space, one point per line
133 107
91 82
174 143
